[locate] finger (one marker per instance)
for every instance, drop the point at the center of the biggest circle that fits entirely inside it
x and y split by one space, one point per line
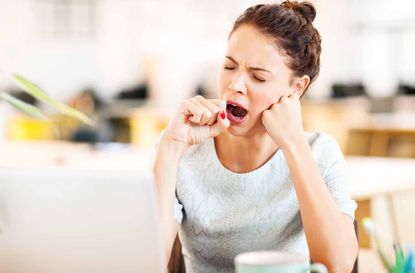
272 106
221 124
296 95
213 108
265 116
192 111
283 99
206 114
212 105
220 103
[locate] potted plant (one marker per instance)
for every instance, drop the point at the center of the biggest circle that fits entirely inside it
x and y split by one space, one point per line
42 96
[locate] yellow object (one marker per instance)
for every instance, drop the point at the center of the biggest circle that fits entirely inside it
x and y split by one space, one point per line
25 128
146 126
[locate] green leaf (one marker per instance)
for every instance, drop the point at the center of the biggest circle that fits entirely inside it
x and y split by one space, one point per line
41 95
23 106
401 258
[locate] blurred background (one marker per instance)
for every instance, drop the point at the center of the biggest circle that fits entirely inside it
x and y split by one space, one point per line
129 63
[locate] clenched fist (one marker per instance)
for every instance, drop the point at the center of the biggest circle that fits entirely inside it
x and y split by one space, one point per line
197 120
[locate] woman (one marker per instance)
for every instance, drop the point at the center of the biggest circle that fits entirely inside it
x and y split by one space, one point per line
239 173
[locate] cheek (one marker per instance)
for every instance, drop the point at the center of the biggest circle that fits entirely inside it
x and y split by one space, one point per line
222 82
270 94
264 97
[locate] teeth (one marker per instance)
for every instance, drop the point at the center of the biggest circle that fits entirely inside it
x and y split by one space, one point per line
235 105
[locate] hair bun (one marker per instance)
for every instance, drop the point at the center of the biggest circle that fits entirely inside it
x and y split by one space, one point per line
306 9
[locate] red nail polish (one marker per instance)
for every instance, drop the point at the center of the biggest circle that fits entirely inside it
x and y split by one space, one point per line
222 115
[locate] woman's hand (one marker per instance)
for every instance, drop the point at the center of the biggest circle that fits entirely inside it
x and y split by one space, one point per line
197 120
283 121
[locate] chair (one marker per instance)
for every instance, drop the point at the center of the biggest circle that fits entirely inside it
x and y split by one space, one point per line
176 262
356 230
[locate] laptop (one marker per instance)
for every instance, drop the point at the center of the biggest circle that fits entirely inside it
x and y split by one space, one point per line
78 221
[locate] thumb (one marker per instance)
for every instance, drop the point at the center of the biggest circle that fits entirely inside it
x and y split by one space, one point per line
219 103
221 124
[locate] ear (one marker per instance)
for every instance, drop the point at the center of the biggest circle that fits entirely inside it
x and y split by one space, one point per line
300 84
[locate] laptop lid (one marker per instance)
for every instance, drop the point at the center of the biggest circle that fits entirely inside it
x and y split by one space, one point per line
75 221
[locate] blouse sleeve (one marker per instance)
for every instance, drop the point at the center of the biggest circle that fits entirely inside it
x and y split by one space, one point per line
334 173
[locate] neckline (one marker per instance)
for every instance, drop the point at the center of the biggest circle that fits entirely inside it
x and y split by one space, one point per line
253 172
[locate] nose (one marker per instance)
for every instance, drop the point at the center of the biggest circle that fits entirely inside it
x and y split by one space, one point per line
238 84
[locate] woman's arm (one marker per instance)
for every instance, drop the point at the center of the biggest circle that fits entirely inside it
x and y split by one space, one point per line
330 234
197 120
165 172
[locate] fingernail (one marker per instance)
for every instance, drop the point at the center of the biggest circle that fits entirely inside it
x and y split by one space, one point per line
222 115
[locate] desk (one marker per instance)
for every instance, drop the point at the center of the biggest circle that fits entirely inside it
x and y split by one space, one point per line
371 176
389 134
384 189
360 132
374 181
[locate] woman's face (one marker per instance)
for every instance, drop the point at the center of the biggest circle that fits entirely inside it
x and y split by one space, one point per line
252 78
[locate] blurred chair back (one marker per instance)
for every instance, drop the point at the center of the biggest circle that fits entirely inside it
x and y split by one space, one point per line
176 262
356 230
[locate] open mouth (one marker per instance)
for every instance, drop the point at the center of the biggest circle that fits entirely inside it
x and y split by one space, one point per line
236 113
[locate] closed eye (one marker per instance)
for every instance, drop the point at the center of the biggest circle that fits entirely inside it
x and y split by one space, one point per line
229 68
258 79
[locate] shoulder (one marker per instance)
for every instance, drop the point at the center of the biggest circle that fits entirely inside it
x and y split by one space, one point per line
321 141
325 149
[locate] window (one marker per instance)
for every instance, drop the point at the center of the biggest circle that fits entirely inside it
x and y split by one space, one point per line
65 18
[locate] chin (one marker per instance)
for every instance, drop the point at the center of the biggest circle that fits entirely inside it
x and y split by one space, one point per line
245 131
236 131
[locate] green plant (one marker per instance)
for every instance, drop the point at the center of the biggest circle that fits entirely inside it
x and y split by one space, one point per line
403 263
42 96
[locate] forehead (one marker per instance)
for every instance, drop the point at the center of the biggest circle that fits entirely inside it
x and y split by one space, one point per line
248 45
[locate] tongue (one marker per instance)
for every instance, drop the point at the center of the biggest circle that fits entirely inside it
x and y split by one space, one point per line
237 111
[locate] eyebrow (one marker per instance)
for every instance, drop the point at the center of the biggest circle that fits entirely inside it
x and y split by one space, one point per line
252 67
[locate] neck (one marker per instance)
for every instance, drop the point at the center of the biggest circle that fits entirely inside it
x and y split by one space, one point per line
244 154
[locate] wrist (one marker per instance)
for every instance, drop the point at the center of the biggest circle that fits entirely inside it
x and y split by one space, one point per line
293 143
172 148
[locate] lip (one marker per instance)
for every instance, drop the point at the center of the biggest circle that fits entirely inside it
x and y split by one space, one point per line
237 104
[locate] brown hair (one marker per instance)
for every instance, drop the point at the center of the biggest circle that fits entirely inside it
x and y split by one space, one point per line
289 24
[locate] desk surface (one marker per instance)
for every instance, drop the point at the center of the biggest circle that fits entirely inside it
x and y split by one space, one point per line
371 176
368 176
71 155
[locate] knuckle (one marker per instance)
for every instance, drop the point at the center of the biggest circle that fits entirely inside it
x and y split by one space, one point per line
265 115
184 104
